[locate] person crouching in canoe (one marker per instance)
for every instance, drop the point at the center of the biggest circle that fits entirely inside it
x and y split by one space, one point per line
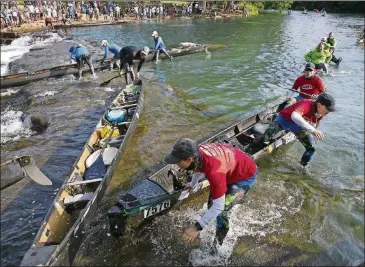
317 57
309 84
80 54
299 118
127 54
230 172
159 46
114 49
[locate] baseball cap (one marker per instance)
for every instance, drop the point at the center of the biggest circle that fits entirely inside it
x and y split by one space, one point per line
145 50
327 100
309 67
104 43
183 149
154 33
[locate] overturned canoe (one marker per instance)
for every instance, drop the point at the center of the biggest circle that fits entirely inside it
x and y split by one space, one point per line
27 77
64 227
164 190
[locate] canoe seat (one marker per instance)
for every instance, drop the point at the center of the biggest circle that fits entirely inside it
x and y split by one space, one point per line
259 129
78 201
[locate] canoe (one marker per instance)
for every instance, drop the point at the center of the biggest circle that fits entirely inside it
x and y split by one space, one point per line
64 227
27 77
164 190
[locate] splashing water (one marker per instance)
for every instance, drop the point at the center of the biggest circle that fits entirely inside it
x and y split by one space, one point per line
19 47
9 92
257 218
47 93
12 127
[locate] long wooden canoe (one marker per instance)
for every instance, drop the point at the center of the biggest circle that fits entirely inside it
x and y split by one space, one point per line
64 227
164 190
27 77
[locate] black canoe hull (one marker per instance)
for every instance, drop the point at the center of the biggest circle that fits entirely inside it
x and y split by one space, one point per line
62 253
27 77
132 211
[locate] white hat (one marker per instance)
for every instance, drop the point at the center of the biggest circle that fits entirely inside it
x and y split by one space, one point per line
104 43
145 50
154 33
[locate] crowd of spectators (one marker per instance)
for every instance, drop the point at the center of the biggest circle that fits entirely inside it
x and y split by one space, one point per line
13 15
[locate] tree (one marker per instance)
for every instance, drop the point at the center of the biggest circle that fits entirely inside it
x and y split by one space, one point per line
278 5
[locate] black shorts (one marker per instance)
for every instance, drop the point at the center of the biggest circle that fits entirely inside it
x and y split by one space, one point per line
82 60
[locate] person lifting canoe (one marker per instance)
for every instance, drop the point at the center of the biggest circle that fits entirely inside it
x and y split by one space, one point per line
80 54
114 49
159 46
302 119
230 172
127 54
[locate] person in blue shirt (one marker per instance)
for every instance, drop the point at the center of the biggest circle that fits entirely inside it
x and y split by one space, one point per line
80 54
113 48
159 46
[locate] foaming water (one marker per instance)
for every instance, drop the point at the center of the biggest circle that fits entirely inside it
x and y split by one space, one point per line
257 218
20 46
9 92
12 126
47 93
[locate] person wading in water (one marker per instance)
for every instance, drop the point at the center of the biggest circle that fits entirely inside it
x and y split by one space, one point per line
230 172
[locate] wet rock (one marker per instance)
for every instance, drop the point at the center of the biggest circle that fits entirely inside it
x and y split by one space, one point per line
39 125
36 124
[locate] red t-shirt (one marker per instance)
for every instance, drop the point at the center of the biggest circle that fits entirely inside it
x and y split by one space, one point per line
222 165
304 108
313 86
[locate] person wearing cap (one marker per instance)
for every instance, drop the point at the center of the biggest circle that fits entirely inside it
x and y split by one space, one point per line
317 57
230 172
159 46
302 119
309 84
113 48
332 41
80 54
127 54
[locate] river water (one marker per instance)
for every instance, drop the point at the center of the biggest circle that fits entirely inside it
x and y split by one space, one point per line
315 218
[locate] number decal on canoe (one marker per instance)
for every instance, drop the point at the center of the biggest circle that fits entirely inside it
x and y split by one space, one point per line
278 143
156 209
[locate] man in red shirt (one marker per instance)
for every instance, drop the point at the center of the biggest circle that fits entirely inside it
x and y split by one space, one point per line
309 83
299 118
230 172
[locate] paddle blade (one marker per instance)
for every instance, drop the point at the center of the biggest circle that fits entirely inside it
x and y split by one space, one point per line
108 81
31 170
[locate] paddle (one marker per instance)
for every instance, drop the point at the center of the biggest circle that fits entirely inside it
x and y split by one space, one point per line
29 168
279 87
108 81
